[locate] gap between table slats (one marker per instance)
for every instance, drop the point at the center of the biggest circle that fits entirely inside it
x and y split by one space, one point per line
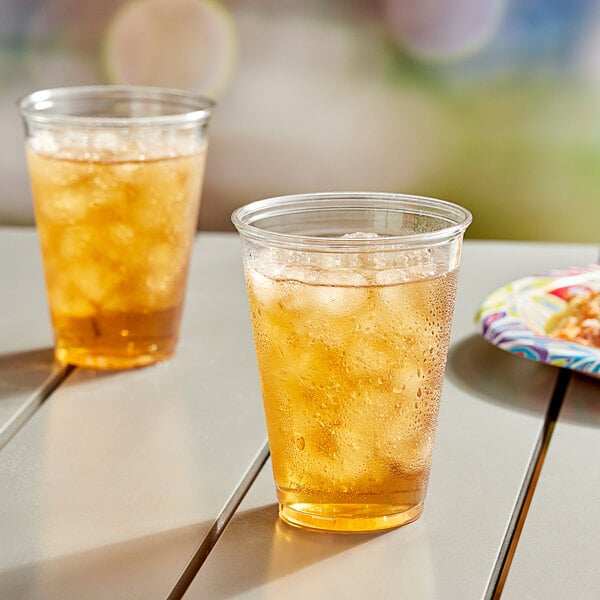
29 408
207 544
527 491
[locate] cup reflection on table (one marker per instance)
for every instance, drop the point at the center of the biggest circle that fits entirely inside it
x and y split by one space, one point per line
116 175
351 298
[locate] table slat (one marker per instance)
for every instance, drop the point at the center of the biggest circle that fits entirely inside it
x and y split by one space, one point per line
119 476
492 413
27 370
558 554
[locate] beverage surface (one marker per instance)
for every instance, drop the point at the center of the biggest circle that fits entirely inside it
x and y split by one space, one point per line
115 237
351 351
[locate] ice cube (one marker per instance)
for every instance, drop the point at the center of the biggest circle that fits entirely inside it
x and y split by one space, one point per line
360 235
341 278
367 356
128 172
66 299
163 269
44 142
398 299
299 273
76 242
406 446
120 235
338 301
411 454
163 259
107 141
339 292
266 290
68 204
340 453
387 277
91 281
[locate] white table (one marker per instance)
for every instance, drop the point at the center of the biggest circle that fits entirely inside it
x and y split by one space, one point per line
118 485
558 555
27 372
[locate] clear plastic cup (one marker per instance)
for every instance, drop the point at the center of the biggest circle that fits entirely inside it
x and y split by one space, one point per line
351 297
116 175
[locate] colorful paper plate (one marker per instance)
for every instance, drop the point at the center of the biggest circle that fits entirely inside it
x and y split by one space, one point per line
514 318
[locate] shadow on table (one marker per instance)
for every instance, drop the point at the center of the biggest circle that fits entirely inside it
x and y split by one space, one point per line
265 550
142 568
24 370
262 548
583 407
26 379
516 383
30 368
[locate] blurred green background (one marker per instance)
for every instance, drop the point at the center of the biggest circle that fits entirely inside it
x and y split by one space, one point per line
493 104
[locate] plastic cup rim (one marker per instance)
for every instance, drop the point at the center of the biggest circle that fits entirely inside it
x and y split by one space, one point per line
458 218
36 106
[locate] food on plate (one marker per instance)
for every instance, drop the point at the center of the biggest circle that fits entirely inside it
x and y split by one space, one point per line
580 321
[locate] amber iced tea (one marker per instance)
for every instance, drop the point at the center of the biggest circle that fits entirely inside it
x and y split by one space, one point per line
116 239
116 174
351 378
351 347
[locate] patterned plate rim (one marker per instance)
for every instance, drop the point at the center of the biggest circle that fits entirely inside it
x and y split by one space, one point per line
502 318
